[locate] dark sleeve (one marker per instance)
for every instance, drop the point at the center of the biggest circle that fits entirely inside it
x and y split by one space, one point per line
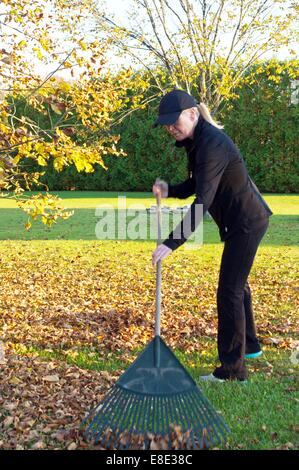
208 173
182 190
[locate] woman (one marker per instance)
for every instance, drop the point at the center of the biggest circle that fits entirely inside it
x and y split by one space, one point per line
219 179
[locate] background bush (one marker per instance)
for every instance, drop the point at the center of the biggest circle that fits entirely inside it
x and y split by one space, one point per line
262 121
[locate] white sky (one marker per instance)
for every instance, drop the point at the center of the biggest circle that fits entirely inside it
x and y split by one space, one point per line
120 9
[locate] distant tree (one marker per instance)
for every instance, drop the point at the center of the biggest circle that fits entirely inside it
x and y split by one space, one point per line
204 46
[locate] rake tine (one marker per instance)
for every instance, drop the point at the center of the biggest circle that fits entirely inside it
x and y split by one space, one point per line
176 412
105 414
163 418
135 417
171 415
145 417
104 404
193 405
183 418
135 412
132 416
167 418
215 417
152 415
201 426
189 425
139 417
122 416
202 429
184 415
200 405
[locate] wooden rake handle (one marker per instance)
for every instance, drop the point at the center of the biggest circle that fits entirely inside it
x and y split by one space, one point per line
159 269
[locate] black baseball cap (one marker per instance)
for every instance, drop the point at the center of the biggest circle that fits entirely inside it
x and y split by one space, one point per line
171 106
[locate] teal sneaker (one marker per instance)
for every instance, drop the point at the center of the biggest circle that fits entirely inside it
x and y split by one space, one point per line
253 355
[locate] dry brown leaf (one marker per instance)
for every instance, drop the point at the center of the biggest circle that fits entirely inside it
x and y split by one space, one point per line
155 445
51 378
72 446
39 445
10 406
8 421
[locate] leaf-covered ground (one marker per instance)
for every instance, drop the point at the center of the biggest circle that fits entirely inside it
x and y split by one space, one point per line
74 314
102 294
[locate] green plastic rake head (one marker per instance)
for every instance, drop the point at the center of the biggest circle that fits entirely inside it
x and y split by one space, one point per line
156 396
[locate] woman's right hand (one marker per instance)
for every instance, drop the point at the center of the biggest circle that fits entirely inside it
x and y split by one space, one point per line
161 187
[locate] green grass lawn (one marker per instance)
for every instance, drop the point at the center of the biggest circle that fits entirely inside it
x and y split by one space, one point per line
82 225
54 280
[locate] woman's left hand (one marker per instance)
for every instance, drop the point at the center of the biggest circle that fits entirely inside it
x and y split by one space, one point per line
160 253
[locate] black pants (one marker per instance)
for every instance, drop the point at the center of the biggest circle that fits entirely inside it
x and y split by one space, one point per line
236 327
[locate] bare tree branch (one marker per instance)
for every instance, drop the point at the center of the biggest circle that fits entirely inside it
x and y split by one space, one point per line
199 27
32 92
163 22
216 26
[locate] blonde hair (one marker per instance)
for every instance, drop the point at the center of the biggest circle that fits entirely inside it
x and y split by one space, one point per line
205 113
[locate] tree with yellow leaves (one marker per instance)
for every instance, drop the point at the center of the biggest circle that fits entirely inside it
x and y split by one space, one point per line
79 111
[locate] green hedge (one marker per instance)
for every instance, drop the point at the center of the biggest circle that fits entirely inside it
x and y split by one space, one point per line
262 121
150 154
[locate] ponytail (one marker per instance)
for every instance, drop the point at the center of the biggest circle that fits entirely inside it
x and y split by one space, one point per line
205 113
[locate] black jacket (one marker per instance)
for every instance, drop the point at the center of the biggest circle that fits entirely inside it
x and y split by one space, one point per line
220 182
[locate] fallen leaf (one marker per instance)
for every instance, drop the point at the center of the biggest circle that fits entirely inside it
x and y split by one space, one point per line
155 446
8 421
2 353
72 446
39 445
15 381
9 406
51 378
286 446
294 428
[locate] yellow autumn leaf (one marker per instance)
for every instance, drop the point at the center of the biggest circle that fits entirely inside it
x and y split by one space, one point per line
22 44
55 108
41 160
15 381
38 53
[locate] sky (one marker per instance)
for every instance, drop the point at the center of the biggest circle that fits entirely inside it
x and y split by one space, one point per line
120 9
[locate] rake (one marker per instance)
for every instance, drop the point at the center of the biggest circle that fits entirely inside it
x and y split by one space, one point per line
155 400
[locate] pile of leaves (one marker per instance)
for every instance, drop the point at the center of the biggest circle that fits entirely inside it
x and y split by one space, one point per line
55 296
42 403
177 439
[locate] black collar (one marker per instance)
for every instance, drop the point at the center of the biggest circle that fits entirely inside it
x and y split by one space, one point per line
190 143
